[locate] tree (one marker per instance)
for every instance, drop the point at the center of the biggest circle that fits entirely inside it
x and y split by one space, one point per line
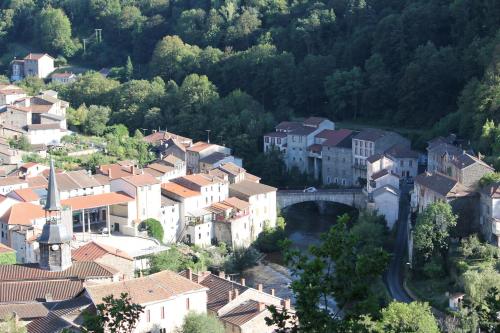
77 117
414 317
432 231
22 143
129 69
201 323
118 315
9 324
154 228
344 89
97 118
341 267
54 31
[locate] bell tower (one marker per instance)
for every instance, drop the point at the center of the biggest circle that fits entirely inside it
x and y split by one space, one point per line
54 242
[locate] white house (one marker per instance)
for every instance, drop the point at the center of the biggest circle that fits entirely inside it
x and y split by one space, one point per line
166 297
170 219
39 65
262 200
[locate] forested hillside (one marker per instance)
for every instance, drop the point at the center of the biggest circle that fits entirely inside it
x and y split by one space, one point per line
408 63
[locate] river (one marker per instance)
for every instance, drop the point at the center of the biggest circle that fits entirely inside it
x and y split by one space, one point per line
304 224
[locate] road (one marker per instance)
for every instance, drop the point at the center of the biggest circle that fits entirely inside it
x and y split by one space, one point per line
394 276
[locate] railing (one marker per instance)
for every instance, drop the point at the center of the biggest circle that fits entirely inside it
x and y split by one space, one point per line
323 191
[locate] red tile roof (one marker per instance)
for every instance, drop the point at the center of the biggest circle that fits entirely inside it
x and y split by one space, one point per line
92 251
36 291
36 56
80 270
23 213
97 200
27 194
242 313
179 190
199 146
155 287
141 180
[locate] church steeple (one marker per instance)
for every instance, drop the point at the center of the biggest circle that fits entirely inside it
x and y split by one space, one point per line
54 242
53 203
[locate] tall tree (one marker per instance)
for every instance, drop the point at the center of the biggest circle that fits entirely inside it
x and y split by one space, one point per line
54 31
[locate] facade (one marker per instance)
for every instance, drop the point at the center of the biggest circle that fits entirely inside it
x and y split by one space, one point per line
231 220
297 142
405 161
369 142
336 158
39 65
170 219
166 297
196 154
9 93
262 200
490 213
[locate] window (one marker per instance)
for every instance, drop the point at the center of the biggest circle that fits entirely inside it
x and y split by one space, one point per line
279 141
293 138
187 304
199 236
410 163
162 312
328 158
401 163
148 315
266 139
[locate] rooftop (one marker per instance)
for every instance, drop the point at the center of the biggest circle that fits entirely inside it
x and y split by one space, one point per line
231 169
179 190
242 313
5 249
248 188
199 146
141 180
370 134
401 151
213 158
23 213
314 121
37 291
152 288
93 250
441 184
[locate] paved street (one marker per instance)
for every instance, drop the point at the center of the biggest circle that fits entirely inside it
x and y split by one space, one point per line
394 276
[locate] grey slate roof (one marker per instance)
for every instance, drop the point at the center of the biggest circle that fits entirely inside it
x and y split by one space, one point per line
370 134
53 203
441 184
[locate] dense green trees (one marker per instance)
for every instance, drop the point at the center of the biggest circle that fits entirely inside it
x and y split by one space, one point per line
405 63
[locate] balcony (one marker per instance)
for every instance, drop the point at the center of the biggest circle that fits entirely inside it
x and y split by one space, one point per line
495 226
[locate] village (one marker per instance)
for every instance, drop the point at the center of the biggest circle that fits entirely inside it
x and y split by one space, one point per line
72 237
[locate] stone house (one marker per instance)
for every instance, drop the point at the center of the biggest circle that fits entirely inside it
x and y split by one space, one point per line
166 297
170 219
106 255
297 142
405 161
231 222
200 150
465 168
39 65
146 190
490 213
239 307
437 149
432 187
9 93
369 142
336 157
262 200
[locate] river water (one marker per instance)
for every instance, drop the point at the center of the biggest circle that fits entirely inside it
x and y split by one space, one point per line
304 224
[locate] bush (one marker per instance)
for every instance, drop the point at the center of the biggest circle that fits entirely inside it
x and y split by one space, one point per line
269 239
433 269
154 229
241 259
201 323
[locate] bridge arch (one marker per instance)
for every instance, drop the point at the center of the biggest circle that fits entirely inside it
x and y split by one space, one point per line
350 197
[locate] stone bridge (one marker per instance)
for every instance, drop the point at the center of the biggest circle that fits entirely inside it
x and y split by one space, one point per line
351 197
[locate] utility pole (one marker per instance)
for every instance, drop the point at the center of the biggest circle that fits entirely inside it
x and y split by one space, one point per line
98 35
84 44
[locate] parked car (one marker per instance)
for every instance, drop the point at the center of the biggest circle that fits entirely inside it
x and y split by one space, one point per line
310 190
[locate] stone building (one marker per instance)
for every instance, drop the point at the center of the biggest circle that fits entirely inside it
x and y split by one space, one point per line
369 142
39 65
336 157
490 213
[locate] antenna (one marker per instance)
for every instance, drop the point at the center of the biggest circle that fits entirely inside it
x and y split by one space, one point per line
208 135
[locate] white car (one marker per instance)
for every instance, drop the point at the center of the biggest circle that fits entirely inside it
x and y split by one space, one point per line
310 189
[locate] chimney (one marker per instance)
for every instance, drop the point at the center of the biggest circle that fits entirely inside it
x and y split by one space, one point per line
132 169
48 297
109 174
243 281
190 274
222 274
259 287
236 293
261 307
16 317
286 303
140 273
272 292
230 295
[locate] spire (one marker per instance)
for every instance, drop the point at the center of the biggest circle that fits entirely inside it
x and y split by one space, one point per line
53 203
